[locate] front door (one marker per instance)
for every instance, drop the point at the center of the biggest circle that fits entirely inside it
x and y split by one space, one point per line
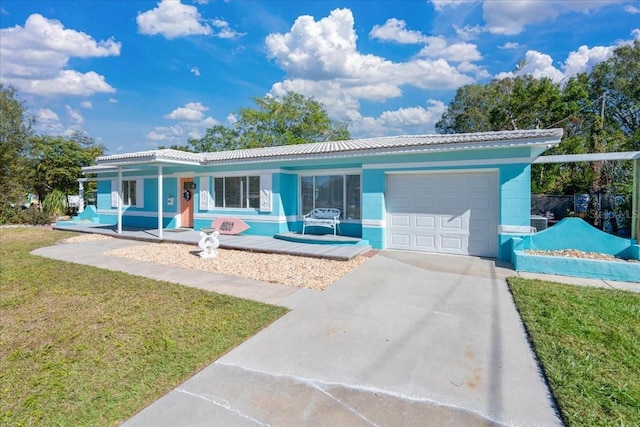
187 189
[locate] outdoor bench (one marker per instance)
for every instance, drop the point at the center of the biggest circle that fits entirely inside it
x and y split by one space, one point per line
322 217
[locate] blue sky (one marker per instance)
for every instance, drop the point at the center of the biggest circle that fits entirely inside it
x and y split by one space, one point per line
138 74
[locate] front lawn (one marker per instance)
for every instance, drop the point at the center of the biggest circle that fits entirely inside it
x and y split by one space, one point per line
588 341
85 346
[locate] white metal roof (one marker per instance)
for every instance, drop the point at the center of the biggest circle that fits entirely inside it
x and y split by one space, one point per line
379 145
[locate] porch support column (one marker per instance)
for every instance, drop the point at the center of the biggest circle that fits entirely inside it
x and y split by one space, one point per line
635 210
160 203
119 199
81 194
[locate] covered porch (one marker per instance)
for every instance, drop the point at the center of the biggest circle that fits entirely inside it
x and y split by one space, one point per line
337 250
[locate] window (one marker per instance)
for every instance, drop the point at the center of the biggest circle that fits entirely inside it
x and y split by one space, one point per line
331 191
129 196
132 193
237 192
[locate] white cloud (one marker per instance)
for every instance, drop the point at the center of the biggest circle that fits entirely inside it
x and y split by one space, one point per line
324 49
35 57
113 100
322 60
413 116
469 33
632 9
163 133
585 58
510 45
538 65
440 5
478 71
208 122
172 19
195 71
636 33
74 115
437 47
232 119
192 111
409 120
45 115
192 123
67 82
395 30
225 31
511 17
86 105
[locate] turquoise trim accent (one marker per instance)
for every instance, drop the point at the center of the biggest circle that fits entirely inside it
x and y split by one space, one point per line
285 192
515 195
575 233
375 236
298 238
88 215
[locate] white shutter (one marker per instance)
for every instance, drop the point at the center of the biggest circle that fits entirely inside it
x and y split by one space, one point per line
139 193
266 195
205 194
114 193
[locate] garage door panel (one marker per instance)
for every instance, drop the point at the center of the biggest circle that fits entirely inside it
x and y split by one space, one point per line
452 244
401 241
452 223
443 212
399 220
425 221
425 243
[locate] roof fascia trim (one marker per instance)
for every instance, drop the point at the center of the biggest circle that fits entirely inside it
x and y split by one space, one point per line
592 157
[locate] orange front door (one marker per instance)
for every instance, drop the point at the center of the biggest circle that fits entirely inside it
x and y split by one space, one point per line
187 193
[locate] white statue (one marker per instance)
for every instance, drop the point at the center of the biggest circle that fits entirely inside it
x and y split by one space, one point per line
209 244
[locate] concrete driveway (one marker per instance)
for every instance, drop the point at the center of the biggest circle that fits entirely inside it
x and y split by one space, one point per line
406 339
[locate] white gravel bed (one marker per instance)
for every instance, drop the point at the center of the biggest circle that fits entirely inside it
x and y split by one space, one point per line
85 238
302 272
574 253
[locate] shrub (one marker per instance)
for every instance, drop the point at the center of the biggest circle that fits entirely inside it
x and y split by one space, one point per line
55 204
18 215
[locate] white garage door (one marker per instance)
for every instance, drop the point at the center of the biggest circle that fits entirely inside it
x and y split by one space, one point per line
454 213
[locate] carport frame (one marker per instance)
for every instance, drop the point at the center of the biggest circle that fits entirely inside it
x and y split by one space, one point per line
598 157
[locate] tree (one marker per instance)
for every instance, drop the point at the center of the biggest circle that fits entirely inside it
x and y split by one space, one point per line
16 132
617 81
290 119
504 104
57 162
599 112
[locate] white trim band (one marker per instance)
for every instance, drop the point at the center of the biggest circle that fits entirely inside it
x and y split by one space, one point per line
515 229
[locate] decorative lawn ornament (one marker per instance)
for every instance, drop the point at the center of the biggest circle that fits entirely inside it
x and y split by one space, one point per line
209 243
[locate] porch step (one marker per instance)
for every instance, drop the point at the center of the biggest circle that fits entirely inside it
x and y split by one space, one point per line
321 239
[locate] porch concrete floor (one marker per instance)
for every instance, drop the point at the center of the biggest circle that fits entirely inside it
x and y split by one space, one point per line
240 242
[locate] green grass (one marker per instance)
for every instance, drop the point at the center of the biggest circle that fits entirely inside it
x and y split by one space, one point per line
84 346
588 341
